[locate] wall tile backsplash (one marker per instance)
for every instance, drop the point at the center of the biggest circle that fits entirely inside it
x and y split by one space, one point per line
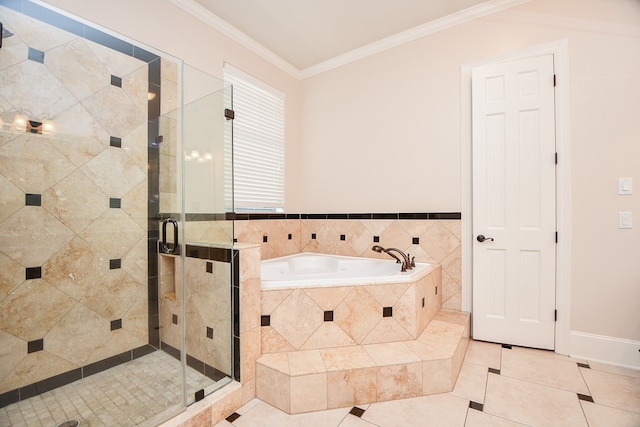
429 240
73 185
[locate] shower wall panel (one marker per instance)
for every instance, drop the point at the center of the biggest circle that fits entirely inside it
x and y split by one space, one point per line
73 202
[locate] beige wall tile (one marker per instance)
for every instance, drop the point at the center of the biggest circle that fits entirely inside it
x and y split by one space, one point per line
308 393
351 387
399 381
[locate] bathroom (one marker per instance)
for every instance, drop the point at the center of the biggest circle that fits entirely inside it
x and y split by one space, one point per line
404 186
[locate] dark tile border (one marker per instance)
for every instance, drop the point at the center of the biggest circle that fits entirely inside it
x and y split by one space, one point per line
239 216
48 384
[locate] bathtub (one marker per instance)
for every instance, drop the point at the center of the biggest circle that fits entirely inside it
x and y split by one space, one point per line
320 270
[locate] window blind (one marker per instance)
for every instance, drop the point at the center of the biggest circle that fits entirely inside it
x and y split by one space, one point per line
258 143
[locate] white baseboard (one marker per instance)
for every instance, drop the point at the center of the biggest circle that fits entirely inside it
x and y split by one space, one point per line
598 348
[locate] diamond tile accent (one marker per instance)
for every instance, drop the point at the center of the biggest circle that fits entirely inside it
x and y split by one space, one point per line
297 318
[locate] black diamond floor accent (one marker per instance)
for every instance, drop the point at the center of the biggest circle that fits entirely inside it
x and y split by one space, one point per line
507 346
477 406
231 418
356 411
585 397
494 371
584 365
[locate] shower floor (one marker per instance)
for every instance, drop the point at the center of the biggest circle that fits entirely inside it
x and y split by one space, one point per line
131 394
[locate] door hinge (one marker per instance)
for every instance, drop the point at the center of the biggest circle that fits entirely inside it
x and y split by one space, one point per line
556 158
229 114
556 237
554 81
555 315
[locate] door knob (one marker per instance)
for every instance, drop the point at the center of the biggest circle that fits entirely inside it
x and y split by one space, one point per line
481 238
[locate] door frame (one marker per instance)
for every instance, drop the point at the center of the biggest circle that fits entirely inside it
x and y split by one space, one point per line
560 51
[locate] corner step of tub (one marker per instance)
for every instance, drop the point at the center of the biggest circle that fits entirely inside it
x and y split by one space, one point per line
336 377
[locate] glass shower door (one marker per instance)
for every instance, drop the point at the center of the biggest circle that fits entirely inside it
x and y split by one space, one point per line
195 304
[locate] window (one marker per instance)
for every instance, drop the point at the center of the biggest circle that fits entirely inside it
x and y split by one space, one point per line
258 144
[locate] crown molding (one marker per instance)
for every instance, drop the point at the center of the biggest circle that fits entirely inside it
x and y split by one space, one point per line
235 34
412 34
466 15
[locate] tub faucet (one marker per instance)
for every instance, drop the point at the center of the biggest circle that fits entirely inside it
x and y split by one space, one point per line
407 263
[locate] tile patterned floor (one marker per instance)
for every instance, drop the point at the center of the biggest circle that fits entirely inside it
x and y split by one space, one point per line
131 394
497 387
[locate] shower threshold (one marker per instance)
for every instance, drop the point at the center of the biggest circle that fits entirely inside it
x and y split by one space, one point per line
143 391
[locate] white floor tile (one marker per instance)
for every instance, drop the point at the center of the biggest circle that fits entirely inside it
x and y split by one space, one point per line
627 372
617 391
532 404
353 421
484 353
482 419
265 415
553 372
472 382
604 416
442 410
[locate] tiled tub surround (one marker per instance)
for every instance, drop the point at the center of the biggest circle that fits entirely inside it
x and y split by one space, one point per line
73 205
321 317
335 377
436 241
207 309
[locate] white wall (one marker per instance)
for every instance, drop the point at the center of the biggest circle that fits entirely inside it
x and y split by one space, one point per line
383 134
164 26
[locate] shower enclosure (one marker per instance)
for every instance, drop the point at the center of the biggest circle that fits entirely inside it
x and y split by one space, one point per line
103 144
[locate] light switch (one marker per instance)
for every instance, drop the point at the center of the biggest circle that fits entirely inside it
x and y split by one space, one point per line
625 186
624 220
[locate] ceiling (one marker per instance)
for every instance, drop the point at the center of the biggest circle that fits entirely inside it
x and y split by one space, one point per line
305 33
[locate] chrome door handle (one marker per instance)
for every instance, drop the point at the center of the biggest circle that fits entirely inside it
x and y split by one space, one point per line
481 238
165 247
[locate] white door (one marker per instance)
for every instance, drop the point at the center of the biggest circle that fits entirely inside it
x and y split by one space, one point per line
514 204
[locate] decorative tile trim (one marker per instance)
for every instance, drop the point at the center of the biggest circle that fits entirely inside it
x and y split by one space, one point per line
387 311
584 365
209 333
209 267
174 319
115 203
114 141
16 395
585 397
115 264
507 346
234 416
477 406
208 253
36 55
328 316
415 240
35 346
494 371
33 199
342 216
116 324
116 81
33 273
265 320
358 412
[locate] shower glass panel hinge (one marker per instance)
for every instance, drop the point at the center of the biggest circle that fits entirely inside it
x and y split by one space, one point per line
555 315
199 395
229 114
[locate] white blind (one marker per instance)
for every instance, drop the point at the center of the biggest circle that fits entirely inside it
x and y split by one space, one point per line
258 143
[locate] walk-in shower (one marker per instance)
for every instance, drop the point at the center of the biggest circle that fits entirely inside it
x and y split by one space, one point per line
98 136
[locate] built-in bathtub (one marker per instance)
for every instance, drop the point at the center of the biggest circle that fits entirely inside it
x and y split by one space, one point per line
319 270
312 301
